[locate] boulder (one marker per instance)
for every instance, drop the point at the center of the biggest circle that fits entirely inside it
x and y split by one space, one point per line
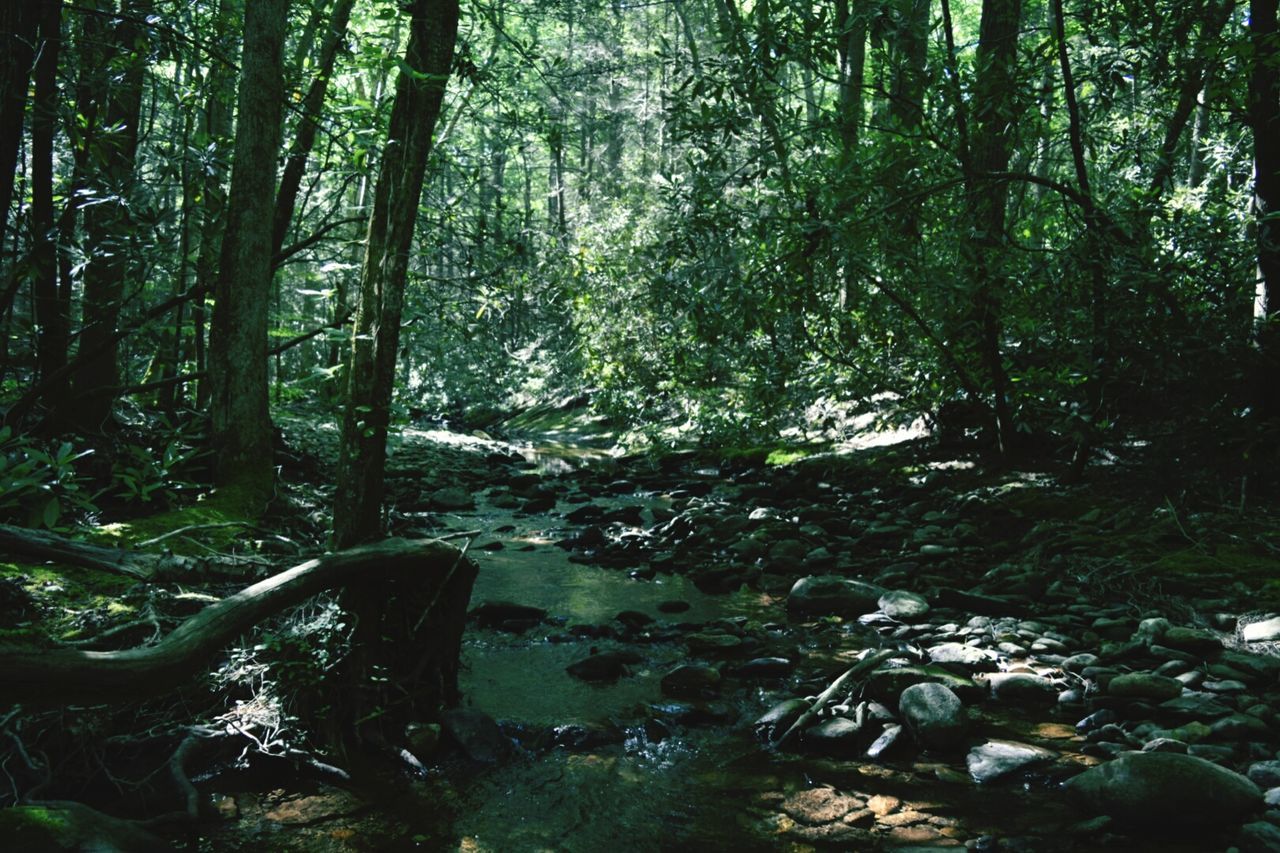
1266 631
934 714
477 734
691 681
1165 789
903 605
830 595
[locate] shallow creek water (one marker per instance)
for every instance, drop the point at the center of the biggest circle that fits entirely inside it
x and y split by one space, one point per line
696 787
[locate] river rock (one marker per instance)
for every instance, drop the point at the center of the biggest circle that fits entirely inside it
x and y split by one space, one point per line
495 614
1259 837
887 740
477 734
836 737
66 825
973 658
934 714
820 805
1145 685
1265 631
765 668
772 723
1265 774
830 595
887 684
1023 689
691 681
451 499
903 605
606 666
997 758
1193 641
1165 789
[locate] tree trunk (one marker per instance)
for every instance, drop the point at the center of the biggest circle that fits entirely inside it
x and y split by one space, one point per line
52 313
308 125
18 22
419 95
994 104
431 580
108 223
1264 116
238 338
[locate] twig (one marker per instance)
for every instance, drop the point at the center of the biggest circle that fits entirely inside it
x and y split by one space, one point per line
190 528
862 667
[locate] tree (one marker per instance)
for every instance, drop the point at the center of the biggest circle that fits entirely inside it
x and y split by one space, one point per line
1264 118
238 337
419 94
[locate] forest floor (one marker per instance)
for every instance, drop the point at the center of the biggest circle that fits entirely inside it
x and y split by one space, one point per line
646 631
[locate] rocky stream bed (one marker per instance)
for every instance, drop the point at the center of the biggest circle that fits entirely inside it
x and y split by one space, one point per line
896 650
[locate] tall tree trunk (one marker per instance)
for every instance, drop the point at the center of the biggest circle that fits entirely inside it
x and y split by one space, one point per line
52 313
308 124
1264 116
18 23
419 94
238 338
108 223
995 101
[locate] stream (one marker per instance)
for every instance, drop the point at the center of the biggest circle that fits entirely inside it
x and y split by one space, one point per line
618 764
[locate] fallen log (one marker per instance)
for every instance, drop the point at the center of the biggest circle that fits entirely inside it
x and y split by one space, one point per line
40 545
62 676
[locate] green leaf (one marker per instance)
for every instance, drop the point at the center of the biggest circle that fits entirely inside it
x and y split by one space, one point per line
52 510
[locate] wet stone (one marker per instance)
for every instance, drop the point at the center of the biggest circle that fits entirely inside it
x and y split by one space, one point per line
1023 689
477 734
1143 685
691 681
606 666
839 736
1156 788
886 742
973 658
934 714
833 596
998 758
903 605
779 718
765 668
1259 837
1266 631
820 805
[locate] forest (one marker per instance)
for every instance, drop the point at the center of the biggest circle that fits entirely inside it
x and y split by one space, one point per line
524 425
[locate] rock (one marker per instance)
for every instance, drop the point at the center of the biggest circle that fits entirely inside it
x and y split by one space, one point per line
830 595
887 740
903 605
1265 774
495 614
1259 837
422 738
888 683
452 498
997 758
779 718
973 658
765 668
882 804
1265 631
673 606
934 714
1144 685
1193 641
1023 689
1192 705
836 737
1165 789
820 805
477 734
691 681
1076 663
606 666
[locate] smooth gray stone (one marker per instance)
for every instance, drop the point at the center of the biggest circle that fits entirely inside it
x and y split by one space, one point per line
1145 685
903 605
998 758
829 595
1164 788
1262 632
934 714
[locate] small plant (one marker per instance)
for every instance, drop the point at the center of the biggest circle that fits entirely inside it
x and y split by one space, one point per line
38 485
